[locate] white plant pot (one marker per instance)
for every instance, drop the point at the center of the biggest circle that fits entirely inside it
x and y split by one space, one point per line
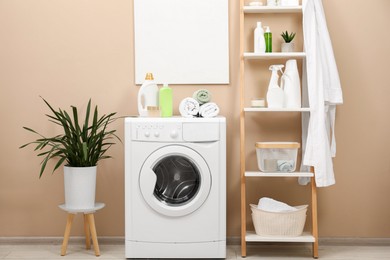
80 186
287 47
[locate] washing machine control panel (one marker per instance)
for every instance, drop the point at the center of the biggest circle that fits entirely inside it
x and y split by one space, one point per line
157 132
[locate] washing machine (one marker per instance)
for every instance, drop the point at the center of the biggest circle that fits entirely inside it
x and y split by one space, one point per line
175 187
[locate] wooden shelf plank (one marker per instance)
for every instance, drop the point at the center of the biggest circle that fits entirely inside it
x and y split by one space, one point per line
272 9
278 174
305 238
266 109
274 55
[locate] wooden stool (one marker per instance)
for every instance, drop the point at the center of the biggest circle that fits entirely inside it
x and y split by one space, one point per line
89 227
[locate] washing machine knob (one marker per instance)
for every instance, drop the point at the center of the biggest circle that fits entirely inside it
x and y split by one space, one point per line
174 133
147 134
156 134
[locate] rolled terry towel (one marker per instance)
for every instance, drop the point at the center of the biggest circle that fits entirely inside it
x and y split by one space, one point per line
209 110
189 107
271 205
285 165
202 96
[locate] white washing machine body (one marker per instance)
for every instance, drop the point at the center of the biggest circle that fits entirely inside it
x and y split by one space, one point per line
175 187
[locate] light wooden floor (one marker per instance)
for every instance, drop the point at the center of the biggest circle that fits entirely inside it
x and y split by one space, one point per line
259 251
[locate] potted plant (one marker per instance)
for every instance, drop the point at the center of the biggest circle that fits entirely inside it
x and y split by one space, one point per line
80 148
288 45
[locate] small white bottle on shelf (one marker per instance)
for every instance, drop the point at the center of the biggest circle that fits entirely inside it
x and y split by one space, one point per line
259 41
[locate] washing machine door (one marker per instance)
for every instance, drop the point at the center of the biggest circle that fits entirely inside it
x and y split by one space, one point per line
175 180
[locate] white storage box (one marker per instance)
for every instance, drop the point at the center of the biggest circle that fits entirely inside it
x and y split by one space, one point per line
277 156
289 224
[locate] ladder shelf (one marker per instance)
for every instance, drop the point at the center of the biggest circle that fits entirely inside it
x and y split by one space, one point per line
273 55
278 174
270 9
304 238
246 58
267 109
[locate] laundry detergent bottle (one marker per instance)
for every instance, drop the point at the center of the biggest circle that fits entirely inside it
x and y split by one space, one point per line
291 85
165 99
275 95
147 95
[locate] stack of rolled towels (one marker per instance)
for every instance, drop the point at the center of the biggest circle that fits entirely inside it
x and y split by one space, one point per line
199 105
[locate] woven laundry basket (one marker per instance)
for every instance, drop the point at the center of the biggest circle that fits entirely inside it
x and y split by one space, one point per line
289 224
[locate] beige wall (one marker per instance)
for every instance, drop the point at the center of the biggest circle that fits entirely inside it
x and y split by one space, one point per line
69 51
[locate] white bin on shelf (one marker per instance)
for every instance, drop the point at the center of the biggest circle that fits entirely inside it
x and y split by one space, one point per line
277 156
289 224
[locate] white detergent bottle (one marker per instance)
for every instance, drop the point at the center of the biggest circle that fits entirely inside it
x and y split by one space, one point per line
147 95
275 95
259 40
291 85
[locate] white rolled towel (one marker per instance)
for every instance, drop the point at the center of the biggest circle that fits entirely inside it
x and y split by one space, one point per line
271 205
209 110
189 107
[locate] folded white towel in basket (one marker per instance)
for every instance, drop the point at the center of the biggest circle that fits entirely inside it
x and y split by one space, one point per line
189 107
209 110
271 205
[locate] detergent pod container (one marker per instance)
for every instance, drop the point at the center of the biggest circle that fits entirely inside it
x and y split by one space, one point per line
147 95
291 85
275 94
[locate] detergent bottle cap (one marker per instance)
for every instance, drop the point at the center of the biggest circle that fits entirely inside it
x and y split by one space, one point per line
149 76
259 24
267 29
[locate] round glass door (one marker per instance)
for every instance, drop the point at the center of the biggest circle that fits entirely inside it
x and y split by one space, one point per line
175 180
178 180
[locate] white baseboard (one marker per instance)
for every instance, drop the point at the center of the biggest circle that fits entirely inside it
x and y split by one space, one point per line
354 241
340 241
118 240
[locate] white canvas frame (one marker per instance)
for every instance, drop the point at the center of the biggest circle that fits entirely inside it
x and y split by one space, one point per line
182 41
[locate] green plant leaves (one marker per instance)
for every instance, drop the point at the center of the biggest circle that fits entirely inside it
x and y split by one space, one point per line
77 146
288 37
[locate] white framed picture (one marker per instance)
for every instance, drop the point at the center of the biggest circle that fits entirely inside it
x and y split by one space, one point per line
182 41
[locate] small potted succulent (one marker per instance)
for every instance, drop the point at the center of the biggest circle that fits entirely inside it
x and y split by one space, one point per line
79 147
288 45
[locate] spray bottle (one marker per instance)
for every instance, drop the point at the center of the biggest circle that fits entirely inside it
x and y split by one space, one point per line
275 95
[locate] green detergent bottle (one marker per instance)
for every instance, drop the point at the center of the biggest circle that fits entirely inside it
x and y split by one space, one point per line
165 100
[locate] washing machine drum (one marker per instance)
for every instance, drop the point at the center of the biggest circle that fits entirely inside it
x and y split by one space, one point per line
175 180
178 180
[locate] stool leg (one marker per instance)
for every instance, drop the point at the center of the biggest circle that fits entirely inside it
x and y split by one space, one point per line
92 227
67 233
87 233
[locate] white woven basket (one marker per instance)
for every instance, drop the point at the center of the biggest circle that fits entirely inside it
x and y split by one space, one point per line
289 224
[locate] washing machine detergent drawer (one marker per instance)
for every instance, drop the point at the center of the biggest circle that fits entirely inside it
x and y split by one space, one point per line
206 132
